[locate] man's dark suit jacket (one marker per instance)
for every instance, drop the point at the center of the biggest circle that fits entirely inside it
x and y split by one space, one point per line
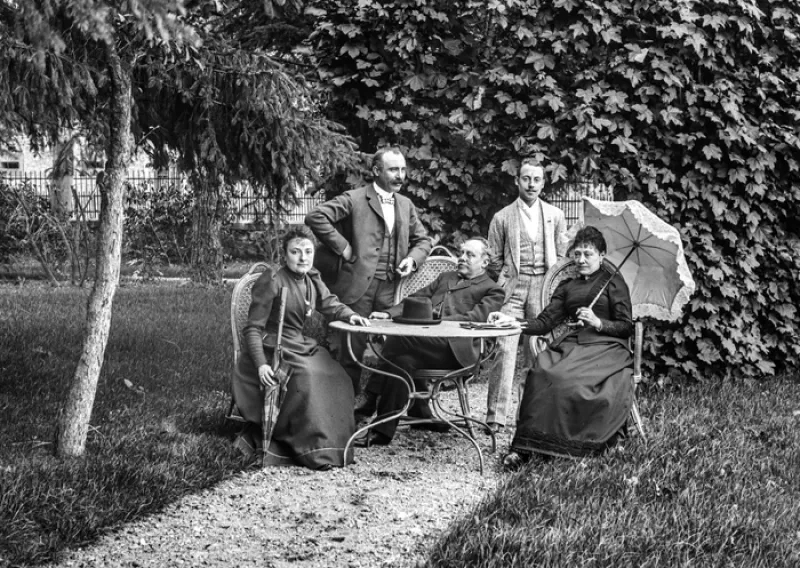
356 217
461 299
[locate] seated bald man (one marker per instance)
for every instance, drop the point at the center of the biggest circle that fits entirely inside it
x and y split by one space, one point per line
466 294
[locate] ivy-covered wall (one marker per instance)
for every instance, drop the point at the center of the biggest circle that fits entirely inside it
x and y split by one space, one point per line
690 106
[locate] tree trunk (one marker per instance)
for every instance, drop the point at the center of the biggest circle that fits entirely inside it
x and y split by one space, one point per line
61 196
73 422
207 217
61 187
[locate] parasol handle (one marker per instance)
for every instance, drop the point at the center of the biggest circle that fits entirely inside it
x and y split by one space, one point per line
276 356
616 270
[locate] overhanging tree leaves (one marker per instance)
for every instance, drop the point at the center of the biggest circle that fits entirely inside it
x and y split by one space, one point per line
65 64
233 113
688 105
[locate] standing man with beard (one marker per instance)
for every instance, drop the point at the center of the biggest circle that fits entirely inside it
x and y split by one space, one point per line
526 237
370 237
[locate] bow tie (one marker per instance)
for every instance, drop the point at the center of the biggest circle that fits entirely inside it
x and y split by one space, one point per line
387 200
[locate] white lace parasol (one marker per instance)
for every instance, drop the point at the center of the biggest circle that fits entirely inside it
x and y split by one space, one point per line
649 254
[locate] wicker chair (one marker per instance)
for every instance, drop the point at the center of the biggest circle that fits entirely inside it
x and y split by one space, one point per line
240 306
440 260
563 270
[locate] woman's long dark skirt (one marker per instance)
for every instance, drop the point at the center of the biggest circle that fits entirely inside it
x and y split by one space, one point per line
316 417
576 398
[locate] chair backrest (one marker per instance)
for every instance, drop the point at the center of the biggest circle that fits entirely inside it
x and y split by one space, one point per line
440 260
560 271
240 304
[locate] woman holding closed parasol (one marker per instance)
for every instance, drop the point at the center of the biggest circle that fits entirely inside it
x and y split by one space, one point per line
315 418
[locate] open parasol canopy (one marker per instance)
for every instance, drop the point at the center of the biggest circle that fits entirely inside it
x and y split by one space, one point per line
648 252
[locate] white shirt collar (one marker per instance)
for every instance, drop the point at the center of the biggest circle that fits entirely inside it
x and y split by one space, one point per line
381 192
386 208
525 205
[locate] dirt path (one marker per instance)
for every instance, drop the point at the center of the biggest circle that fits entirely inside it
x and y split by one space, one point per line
385 510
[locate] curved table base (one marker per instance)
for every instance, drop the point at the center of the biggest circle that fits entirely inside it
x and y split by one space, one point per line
462 423
403 377
439 412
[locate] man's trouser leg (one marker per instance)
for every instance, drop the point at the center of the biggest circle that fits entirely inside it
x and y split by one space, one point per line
378 297
532 309
501 374
523 303
410 354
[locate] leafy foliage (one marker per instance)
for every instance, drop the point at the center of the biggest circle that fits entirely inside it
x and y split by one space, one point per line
13 241
231 112
30 226
689 106
65 63
158 222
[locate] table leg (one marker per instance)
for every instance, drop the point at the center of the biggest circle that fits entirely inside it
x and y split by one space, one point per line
468 419
440 413
403 377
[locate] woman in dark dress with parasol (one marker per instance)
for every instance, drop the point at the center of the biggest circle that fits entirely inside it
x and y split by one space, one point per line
315 419
578 396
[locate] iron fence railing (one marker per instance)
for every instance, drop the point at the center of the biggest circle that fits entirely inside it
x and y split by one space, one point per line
248 206
569 198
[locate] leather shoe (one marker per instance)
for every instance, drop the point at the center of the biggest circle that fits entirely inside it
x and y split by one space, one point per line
513 461
431 426
366 405
420 410
372 439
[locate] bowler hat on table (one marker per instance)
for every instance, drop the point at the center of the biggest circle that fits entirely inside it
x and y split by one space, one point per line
418 311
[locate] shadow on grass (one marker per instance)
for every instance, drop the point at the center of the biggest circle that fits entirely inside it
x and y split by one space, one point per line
157 430
717 484
30 269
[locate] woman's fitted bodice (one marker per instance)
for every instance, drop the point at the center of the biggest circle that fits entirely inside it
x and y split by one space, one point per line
613 307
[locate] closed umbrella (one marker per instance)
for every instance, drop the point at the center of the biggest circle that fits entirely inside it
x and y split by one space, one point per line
275 392
648 252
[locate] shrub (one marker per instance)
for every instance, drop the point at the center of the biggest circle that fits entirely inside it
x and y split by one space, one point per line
62 247
158 223
12 242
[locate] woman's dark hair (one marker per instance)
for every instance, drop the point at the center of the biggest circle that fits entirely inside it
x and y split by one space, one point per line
297 232
589 236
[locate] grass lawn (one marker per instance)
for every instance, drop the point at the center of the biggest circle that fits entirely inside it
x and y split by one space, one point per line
717 484
152 439
28 268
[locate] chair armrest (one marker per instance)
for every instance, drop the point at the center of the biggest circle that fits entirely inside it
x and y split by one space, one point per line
638 338
538 344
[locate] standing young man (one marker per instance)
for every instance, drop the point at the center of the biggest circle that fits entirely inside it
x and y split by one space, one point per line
371 237
526 238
